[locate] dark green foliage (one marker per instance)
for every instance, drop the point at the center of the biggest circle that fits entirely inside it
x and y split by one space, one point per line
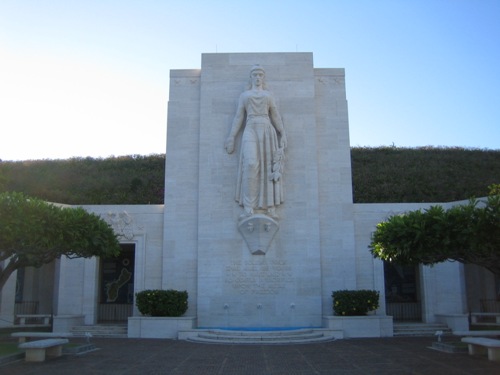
466 233
494 189
34 232
426 174
117 180
380 175
156 302
354 302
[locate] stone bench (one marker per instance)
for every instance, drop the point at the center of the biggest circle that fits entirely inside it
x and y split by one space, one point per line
477 333
37 350
44 317
27 336
482 345
474 318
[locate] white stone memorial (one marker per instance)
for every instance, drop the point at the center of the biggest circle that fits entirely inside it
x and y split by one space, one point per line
258 225
258 206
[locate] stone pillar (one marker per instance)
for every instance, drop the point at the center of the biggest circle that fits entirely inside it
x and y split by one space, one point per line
180 244
7 301
78 288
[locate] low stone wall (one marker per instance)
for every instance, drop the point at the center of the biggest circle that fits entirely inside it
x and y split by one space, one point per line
159 327
361 326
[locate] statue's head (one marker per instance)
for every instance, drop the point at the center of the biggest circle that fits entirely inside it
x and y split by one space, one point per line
258 71
257 68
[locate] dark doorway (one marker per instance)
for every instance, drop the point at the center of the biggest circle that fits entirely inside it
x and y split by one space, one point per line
116 286
402 293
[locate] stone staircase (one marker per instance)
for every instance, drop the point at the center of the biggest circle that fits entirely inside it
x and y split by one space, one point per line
101 330
420 329
298 336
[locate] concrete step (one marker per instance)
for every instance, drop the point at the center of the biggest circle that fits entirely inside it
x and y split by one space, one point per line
109 331
302 336
420 329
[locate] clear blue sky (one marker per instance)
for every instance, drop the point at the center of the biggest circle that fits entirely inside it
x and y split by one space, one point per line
91 78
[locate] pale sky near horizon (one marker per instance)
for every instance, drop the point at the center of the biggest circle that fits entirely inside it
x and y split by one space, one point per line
91 78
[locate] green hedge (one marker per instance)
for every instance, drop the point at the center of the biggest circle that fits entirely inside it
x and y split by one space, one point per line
158 302
354 302
423 174
380 175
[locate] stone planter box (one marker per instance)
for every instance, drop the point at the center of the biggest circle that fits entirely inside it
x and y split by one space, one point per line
361 326
159 327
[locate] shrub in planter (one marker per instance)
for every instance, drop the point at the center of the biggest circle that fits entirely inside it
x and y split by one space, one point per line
158 302
354 302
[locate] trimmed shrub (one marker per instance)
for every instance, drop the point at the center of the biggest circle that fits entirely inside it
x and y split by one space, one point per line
354 302
158 302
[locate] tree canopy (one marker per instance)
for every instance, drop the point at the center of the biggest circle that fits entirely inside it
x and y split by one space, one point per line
466 233
34 232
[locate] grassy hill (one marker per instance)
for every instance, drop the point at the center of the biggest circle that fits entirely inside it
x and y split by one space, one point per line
117 180
382 174
391 174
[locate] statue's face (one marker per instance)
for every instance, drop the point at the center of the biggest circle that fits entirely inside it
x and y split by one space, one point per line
257 78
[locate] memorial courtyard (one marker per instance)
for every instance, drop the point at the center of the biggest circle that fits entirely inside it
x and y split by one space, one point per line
409 355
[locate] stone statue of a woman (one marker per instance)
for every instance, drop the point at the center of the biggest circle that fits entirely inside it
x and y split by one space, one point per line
259 185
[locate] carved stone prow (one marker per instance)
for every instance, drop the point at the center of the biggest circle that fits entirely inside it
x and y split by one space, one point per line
258 231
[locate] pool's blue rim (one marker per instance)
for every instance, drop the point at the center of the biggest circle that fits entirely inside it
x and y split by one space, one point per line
257 329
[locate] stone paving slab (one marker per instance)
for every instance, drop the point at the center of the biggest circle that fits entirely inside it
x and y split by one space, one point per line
350 356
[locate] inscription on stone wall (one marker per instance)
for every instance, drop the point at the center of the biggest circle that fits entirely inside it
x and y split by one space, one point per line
252 277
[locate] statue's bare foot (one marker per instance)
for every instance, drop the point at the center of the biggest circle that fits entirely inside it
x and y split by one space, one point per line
271 212
246 213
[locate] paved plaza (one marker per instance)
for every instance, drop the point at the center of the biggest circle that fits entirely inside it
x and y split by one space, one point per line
349 357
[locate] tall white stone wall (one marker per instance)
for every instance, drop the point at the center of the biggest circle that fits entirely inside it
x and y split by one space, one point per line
338 267
313 251
180 244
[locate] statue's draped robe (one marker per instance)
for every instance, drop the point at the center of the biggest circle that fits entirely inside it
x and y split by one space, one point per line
256 188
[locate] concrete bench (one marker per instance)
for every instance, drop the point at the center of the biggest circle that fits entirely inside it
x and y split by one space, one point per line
474 318
477 333
37 350
44 317
482 345
28 336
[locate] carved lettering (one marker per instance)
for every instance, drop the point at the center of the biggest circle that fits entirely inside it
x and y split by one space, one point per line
249 277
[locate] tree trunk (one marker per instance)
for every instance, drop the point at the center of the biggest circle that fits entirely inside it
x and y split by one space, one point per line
7 271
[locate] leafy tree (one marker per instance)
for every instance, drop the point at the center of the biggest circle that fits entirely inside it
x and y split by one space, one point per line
467 233
34 232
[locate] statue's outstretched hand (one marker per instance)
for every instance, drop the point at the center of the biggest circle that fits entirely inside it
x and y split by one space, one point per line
229 145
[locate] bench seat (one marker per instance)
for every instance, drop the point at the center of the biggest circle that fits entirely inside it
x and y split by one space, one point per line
41 317
483 345
477 333
476 315
26 336
37 350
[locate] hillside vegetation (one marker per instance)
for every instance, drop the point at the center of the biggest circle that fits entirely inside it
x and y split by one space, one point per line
117 180
426 174
382 174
